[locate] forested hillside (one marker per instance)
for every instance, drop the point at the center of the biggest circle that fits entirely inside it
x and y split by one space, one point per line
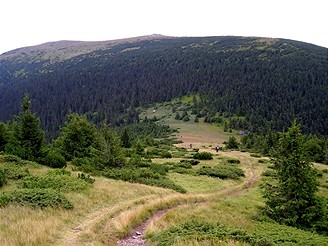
269 81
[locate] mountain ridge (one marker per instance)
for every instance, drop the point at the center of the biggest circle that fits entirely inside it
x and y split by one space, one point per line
270 81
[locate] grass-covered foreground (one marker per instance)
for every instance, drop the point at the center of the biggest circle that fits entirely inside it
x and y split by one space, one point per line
207 197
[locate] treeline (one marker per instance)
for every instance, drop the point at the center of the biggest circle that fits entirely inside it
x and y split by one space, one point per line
99 150
268 82
78 137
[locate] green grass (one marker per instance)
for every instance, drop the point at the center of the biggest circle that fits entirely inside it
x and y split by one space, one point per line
201 184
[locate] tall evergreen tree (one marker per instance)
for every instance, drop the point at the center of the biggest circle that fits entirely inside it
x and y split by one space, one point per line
27 138
111 153
125 139
3 140
78 137
292 199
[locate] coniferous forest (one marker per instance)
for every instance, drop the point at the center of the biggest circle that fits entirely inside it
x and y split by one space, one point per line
77 116
270 82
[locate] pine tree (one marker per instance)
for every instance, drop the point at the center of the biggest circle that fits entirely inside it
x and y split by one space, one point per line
292 199
3 140
78 137
111 153
125 139
27 137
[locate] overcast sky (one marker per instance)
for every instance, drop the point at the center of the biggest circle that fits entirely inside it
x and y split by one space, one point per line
32 22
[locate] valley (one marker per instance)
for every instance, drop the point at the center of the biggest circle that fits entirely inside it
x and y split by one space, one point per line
213 211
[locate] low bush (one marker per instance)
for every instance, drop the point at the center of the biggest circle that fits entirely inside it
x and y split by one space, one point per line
86 164
10 158
184 165
86 177
269 173
143 176
256 155
3 178
63 182
166 154
191 162
265 234
233 161
264 161
222 171
41 198
162 169
14 172
54 159
203 156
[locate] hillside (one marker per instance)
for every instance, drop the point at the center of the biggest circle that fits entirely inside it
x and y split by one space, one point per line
267 81
97 210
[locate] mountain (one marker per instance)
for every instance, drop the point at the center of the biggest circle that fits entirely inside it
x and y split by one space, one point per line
268 81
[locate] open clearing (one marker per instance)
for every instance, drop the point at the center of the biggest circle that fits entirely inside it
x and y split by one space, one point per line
119 213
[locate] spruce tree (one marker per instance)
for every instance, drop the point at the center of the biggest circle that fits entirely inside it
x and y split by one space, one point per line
27 137
110 151
78 137
3 140
292 198
125 139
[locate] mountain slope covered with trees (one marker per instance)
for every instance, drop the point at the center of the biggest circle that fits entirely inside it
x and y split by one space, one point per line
270 82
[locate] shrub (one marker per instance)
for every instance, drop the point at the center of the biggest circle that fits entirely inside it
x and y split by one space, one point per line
143 176
14 172
256 155
232 143
233 161
191 162
166 154
3 179
264 161
222 171
10 158
265 234
162 169
86 164
269 173
86 177
203 156
54 159
60 182
41 198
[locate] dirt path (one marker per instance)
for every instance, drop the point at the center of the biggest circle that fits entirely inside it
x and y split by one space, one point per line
136 237
72 235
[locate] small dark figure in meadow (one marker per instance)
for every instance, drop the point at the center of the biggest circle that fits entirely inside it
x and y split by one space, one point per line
217 148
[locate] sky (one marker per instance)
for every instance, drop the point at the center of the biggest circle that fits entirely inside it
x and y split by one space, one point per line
32 22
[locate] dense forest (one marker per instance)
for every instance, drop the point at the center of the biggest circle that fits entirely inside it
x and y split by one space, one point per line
270 82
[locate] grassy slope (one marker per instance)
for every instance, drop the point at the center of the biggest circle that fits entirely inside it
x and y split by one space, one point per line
110 209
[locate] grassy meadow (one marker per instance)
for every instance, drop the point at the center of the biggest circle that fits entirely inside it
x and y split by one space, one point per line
213 211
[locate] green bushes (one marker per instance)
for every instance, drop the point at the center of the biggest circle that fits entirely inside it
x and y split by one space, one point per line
41 198
222 171
54 159
3 178
149 176
265 234
203 156
13 171
191 162
59 181
233 161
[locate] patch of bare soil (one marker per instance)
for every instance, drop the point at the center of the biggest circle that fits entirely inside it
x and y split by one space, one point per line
136 236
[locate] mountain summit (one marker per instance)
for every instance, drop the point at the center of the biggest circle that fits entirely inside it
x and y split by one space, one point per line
269 82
